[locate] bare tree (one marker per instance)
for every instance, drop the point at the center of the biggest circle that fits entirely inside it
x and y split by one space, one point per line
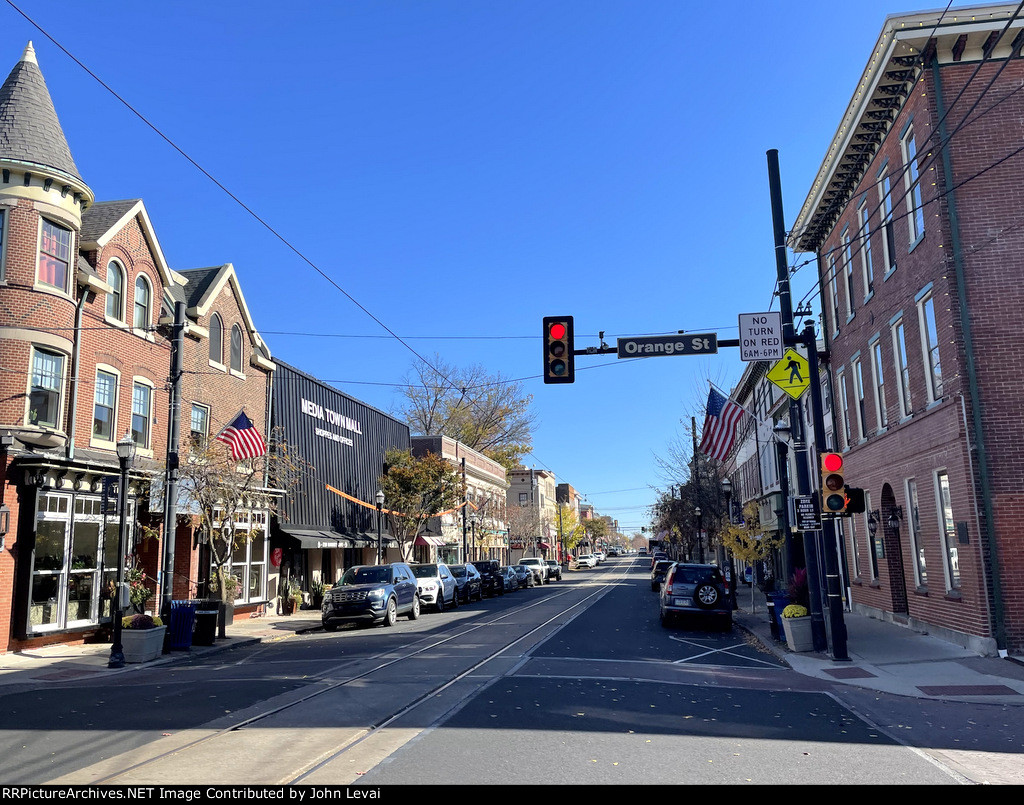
485 411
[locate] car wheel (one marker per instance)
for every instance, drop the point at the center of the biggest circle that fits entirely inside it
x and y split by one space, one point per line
480 594
391 613
414 613
455 598
440 600
705 596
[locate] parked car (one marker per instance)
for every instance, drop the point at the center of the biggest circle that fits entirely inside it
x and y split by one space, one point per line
586 560
554 570
600 556
436 585
467 579
509 578
540 567
656 557
371 594
697 591
525 576
658 572
490 578
642 552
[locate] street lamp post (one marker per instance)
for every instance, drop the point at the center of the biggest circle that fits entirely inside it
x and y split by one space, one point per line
380 517
474 519
125 456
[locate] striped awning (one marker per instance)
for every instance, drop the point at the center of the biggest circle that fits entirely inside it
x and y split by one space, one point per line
423 539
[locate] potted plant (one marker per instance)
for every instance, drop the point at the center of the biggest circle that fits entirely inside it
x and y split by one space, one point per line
316 593
796 621
142 638
295 593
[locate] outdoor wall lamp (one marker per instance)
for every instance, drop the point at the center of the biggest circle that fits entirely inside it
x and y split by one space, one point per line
874 518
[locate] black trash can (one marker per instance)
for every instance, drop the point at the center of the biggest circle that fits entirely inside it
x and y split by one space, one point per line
206 623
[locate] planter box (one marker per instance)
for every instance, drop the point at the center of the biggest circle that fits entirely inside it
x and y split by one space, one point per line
142 645
798 633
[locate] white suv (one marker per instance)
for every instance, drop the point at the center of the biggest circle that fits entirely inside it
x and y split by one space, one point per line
538 565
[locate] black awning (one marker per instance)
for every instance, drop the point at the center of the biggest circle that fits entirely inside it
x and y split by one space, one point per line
313 539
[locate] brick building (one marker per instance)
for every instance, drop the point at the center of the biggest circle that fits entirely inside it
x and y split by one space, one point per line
85 303
915 221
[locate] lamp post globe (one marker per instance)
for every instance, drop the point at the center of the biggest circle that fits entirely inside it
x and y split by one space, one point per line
380 516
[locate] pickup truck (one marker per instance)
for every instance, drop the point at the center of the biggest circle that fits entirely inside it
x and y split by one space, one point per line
539 566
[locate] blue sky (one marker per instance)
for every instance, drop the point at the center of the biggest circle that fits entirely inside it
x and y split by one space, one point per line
462 169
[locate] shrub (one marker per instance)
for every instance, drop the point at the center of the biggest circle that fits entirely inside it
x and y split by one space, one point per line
795 611
140 622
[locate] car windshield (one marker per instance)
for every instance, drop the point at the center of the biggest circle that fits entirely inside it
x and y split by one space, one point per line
424 571
367 575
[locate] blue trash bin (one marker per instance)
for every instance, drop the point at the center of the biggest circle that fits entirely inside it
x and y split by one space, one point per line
179 630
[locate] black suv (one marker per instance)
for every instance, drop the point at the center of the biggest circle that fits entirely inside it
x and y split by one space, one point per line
491 581
371 594
658 571
695 590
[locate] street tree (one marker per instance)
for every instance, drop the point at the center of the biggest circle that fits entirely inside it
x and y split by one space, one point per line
415 489
220 491
483 410
747 541
524 527
572 531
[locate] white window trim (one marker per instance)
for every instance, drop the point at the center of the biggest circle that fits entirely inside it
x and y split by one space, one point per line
848 273
940 517
45 287
4 218
857 373
912 533
878 376
220 365
885 208
61 395
143 381
103 444
867 265
844 409
146 333
912 186
117 321
922 320
898 350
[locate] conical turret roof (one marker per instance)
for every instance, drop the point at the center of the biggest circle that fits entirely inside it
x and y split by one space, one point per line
29 129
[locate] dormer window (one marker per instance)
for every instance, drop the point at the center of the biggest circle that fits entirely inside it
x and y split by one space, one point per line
143 298
216 340
115 299
236 348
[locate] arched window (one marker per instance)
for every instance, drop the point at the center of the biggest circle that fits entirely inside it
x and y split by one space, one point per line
143 298
236 348
115 299
216 340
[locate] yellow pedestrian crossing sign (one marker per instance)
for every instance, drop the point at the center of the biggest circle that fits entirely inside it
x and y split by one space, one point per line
791 374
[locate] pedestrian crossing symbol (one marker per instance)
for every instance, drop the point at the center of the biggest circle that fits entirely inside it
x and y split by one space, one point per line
790 374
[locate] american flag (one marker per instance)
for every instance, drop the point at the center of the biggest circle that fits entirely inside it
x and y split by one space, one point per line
243 439
719 426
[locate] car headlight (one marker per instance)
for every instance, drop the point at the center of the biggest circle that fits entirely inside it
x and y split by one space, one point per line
375 594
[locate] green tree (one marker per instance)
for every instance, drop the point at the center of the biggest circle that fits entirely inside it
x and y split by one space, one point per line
572 530
416 489
748 543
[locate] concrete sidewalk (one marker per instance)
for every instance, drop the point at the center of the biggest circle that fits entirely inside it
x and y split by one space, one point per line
884 657
891 658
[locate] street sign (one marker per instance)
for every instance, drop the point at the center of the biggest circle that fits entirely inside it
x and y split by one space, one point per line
760 336
682 344
791 374
806 510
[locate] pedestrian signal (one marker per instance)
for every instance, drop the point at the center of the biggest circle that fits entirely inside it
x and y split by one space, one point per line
558 350
833 484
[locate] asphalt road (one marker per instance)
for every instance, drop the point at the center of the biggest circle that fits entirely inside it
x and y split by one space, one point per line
573 682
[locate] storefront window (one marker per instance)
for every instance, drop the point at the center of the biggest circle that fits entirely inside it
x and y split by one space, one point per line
71 579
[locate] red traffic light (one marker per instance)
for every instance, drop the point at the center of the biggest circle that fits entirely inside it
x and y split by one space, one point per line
558 350
831 462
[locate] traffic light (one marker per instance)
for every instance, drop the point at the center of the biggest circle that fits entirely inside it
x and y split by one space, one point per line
833 484
558 350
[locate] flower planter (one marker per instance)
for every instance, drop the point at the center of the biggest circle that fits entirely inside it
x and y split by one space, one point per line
142 645
798 633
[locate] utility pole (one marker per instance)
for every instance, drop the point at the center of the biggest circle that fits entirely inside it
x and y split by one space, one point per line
796 425
173 444
812 545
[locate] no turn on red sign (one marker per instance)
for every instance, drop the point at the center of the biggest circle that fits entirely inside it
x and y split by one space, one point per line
761 336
